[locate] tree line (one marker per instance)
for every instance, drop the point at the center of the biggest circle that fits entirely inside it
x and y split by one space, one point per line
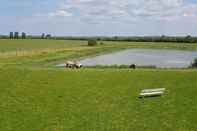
15 35
163 38
177 39
23 35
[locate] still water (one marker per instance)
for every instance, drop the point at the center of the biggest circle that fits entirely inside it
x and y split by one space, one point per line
164 58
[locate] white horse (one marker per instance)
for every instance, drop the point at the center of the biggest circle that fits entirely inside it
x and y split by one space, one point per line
73 64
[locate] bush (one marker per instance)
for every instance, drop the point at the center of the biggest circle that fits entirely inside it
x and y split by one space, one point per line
101 43
194 64
92 42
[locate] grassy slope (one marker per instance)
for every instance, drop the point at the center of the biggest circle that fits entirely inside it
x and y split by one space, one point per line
89 99
92 99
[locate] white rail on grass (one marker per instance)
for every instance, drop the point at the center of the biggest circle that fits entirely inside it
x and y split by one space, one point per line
151 92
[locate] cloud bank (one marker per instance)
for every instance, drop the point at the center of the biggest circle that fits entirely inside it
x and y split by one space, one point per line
100 17
97 11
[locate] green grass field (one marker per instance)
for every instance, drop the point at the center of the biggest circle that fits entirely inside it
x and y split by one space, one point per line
99 100
35 96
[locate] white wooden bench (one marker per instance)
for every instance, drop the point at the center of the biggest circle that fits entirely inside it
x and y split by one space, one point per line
151 92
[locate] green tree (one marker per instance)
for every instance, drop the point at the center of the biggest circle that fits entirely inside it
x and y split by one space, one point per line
11 35
188 38
23 35
43 36
16 35
48 36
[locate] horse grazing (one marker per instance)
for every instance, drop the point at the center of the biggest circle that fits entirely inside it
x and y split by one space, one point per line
73 64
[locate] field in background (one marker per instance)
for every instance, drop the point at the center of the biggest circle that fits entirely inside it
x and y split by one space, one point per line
35 96
47 53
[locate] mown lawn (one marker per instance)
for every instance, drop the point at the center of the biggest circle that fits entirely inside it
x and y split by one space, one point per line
96 100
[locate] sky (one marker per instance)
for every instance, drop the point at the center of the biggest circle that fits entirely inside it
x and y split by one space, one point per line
99 17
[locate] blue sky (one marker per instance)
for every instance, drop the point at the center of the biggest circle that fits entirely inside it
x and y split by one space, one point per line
99 17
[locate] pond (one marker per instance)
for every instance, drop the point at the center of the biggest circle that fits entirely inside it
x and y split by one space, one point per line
163 58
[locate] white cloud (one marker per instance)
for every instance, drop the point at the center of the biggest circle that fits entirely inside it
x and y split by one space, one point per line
60 13
124 10
112 17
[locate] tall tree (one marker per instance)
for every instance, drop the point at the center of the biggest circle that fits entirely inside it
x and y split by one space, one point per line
23 35
42 36
16 35
11 35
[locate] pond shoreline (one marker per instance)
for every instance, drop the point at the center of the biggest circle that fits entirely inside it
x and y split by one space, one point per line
160 58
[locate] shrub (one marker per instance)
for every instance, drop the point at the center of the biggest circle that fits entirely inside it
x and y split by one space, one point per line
194 64
92 42
101 43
